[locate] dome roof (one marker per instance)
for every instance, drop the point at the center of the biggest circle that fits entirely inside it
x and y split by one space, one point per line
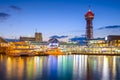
53 40
89 13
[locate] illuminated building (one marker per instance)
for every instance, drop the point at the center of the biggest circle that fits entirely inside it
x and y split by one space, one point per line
54 47
109 45
89 27
109 41
3 45
39 47
53 43
2 40
113 40
98 42
19 48
38 37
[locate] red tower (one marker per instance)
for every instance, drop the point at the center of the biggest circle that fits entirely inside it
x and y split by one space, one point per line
89 27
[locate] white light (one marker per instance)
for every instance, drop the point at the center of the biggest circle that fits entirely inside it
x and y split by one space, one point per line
106 38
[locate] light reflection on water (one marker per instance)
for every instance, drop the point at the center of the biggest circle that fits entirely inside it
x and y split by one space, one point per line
62 67
105 74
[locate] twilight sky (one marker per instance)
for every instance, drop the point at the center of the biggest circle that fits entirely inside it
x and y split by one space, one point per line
58 17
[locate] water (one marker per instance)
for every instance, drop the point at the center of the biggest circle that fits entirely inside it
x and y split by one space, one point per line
62 67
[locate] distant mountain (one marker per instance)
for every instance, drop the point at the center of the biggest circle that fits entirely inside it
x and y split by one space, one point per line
12 40
58 37
80 40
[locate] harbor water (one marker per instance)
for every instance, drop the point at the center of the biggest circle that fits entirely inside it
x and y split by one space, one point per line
60 67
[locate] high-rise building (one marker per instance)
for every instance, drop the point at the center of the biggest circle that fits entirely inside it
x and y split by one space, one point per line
89 26
38 36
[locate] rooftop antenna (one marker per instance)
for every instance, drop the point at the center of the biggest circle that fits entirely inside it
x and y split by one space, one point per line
36 30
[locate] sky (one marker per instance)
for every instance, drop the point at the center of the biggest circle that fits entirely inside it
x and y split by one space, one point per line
62 18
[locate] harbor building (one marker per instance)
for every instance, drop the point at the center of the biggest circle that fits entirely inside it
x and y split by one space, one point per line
113 40
3 45
109 41
38 38
2 40
107 45
53 43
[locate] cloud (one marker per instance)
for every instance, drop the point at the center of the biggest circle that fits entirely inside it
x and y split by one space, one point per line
3 16
58 37
15 7
109 27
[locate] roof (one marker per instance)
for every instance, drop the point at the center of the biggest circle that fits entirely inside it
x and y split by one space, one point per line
53 40
38 43
113 37
2 40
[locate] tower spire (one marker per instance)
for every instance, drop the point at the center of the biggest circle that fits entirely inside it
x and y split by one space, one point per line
36 30
89 8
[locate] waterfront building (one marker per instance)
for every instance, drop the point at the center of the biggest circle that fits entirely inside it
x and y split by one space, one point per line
19 48
89 16
109 41
69 47
38 46
38 37
113 40
109 45
97 42
53 43
3 45
2 40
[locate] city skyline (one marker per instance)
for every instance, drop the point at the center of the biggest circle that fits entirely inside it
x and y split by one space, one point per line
60 18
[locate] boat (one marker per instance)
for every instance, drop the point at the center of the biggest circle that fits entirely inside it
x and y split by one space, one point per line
19 49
